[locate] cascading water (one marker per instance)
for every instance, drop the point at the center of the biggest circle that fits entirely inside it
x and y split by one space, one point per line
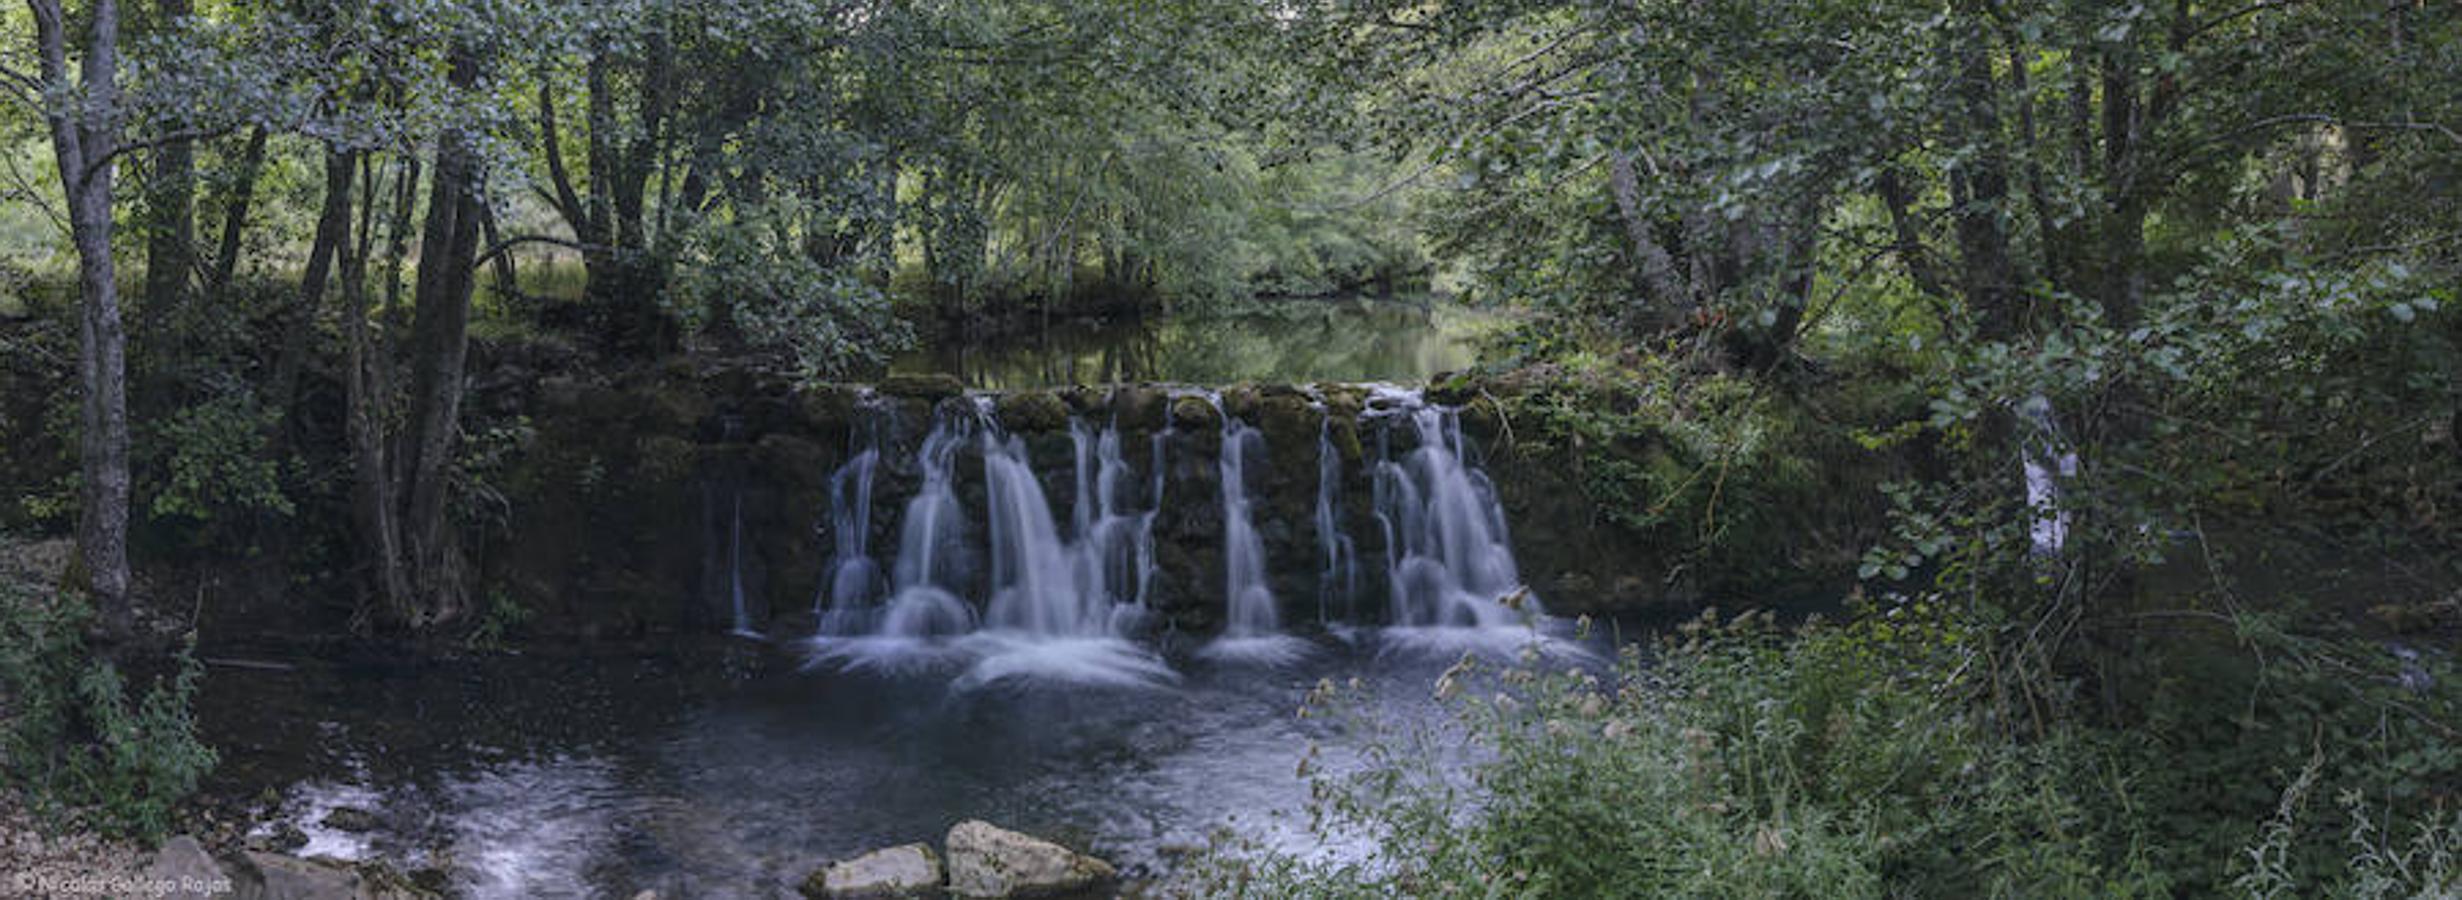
1252 625
852 580
2046 460
1064 592
1035 583
735 569
1050 616
1448 559
1114 547
1248 609
1340 578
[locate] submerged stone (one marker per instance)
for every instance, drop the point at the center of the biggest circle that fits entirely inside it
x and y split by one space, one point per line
897 873
987 862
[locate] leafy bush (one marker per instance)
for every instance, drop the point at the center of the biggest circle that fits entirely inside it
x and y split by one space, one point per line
72 735
1855 760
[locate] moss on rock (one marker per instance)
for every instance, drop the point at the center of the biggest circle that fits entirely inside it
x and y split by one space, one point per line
1025 411
931 388
1193 413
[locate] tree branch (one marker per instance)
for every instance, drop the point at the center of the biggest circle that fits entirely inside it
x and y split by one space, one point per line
95 167
506 245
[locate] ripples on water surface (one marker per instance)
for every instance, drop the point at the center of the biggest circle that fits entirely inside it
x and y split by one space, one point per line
734 768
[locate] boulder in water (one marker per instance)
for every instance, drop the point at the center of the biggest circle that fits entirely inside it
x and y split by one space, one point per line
988 862
897 873
351 819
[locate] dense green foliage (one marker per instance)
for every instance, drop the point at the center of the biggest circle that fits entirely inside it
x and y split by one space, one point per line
1851 760
72 732
1803 291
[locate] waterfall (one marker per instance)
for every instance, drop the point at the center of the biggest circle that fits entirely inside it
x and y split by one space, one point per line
931 563
1340 578
1448 559
735 568
1036 588
853 577
1248 606
1064 590
1114 546
2046 459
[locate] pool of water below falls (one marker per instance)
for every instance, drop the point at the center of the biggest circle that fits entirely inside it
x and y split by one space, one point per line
731 767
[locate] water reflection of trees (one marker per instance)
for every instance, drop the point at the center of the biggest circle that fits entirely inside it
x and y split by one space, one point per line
1356 341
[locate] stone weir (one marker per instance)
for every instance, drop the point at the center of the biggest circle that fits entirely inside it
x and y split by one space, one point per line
915 507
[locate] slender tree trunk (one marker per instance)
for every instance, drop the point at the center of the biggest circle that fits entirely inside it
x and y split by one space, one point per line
369 389
85 135
2125 221
170 210
1980 191
235 212
332 229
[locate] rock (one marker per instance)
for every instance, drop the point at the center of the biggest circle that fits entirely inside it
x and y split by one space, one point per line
1452 388
1288 421
1192 413
284 837
830 405
931 388
1139 408
269 876
184 870
1345 435
1240 400
897 873
351 819
987 862
1024 411
1083 399
38 562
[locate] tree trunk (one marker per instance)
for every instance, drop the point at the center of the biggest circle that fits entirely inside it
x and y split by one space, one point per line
440 345
368 385
1654 270
85 135
1980 191
170 209
235 212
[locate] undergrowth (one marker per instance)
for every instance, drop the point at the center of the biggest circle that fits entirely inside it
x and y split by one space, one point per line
75 736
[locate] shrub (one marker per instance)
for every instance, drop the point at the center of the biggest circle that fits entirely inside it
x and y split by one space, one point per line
1857 760
73 738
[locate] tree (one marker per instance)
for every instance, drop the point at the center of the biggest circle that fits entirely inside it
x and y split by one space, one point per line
83 113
